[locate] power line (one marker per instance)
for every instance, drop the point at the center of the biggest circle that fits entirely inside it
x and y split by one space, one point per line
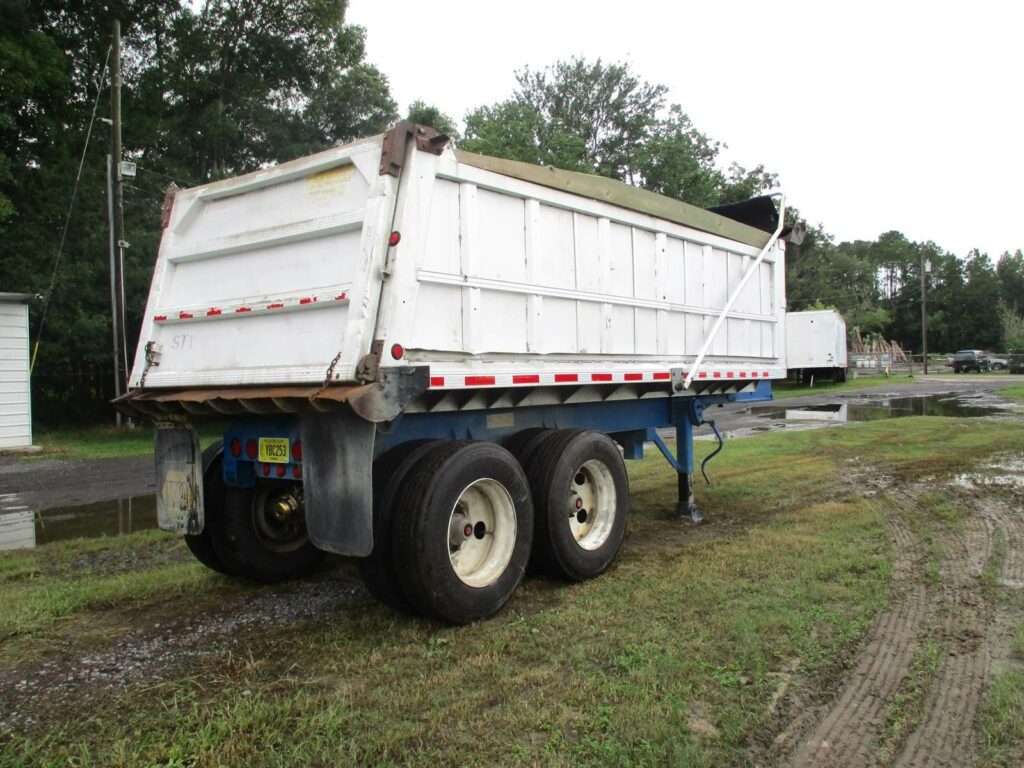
67 219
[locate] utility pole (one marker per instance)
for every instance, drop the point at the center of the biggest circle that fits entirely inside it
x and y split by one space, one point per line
117 221
115 318
925 268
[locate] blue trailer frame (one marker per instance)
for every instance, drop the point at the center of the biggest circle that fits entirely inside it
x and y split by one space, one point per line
631 423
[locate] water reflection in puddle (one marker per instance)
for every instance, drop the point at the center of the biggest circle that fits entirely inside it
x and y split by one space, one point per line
24 529
886 408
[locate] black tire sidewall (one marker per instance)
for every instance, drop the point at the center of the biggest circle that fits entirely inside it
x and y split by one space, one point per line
425 569
245 554
378 570
573 561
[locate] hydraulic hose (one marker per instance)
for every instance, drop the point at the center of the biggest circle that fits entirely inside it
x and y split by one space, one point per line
710 456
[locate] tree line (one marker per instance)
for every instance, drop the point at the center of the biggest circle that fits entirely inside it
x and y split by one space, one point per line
224 87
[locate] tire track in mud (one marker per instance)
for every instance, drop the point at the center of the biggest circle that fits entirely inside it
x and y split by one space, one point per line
972 633
849 731
945 734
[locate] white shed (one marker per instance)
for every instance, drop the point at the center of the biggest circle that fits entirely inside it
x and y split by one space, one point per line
15 397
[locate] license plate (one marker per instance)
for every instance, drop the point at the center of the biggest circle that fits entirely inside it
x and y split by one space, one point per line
274 450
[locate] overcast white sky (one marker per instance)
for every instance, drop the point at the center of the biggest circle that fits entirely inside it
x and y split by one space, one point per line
875 115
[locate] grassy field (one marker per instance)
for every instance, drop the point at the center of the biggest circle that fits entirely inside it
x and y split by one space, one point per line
1013 391
108 442
685 653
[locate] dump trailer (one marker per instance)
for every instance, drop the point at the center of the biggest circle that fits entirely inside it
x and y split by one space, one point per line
816 345
437 362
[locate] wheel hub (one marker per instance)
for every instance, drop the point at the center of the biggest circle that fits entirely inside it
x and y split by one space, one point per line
481 533
279 517
591 508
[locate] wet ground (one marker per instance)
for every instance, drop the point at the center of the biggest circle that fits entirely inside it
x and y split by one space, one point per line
44 500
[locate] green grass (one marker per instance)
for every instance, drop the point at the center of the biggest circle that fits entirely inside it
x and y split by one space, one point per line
1014 391
785 389
690 624
904 712
108 442
1002 722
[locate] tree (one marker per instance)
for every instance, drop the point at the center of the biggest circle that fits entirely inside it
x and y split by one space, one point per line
211 89
602 118
422 113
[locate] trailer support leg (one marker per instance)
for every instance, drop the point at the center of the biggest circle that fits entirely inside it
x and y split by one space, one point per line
686 415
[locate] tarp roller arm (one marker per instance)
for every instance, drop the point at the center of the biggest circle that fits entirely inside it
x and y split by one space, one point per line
739 289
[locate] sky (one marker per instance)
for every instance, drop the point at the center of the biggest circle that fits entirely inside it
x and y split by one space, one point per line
875 115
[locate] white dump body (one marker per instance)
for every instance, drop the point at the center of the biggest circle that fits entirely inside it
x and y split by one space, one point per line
816 339
280 276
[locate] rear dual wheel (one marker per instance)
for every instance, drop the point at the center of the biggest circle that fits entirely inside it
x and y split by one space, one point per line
463 530
581 496
256 533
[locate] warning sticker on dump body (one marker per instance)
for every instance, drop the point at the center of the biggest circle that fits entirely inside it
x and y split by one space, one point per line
274 450
330 182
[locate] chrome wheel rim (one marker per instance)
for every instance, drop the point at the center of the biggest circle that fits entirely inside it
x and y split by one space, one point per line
592 504
482 533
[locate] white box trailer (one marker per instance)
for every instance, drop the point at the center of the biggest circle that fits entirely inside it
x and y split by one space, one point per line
816 345
368 311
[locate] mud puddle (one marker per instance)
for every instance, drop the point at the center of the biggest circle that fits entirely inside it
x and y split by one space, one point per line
21 528
953 406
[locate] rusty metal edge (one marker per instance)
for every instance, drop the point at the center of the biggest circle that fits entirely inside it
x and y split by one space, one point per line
392 153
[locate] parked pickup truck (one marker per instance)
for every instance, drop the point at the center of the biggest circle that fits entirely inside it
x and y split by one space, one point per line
437 361
970 360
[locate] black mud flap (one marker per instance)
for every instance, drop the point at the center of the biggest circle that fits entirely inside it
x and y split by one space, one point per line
179 479
337 474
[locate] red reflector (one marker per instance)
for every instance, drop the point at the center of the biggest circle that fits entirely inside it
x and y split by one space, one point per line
297 450
397 351
479 381
185 315
662 376
526 378
281 470
743 374
306 300
243 309
566 377
160 318
394 238
266 470
236 447
717 374
275 305
703 374
634 377
600 377
251 449
213 312
437 381
340 297
296 472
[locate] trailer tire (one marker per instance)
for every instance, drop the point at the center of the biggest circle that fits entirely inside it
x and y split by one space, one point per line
201 544
463 529
581 498
523 443
256 544
378 569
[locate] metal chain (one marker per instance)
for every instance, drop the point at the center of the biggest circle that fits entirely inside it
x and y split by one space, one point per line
327 378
